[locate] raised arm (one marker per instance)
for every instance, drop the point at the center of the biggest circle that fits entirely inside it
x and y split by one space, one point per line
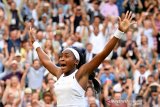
45 60
88 68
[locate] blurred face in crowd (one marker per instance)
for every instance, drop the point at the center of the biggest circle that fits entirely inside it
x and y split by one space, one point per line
117 96
89 92
60 11
89 47
96 30
1 15
18 58
96 21
154 95
78 10
48 44
47 98
51 83
35 96
50 36
50 80
28 96
129 35
39 35
150 79
144 40
14 81
147 23
107 68
14 65
46 7
36 64
13 6
13 35
142 70
92 102
49 28
44 19
31 5
96 5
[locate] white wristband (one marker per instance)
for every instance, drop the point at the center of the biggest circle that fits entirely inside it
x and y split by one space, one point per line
36 45
118 34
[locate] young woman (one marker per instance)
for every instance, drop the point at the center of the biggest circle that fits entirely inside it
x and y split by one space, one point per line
73 75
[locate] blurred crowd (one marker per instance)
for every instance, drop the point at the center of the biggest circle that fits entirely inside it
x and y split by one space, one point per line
130 73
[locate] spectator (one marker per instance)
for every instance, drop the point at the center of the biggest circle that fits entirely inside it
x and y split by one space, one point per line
109 9
12 92
106 74
91 97
35 75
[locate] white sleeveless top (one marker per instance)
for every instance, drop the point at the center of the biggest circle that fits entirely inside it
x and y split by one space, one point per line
68 92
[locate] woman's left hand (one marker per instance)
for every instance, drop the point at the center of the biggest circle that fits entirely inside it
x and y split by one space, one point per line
126 22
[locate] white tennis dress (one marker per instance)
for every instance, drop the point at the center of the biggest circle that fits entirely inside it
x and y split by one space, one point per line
68 92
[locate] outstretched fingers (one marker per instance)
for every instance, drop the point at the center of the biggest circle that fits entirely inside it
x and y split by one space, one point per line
119 20
130 16
134 22
126 16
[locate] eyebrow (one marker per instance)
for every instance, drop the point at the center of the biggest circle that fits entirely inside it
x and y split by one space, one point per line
66 53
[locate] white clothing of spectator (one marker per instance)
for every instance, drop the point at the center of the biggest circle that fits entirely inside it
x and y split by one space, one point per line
140 78
97 37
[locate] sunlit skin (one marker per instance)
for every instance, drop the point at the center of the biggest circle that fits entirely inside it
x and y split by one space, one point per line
14 82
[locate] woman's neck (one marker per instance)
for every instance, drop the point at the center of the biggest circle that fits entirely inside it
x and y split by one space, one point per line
70 72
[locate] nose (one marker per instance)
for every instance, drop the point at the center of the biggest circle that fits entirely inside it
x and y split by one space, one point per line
61 59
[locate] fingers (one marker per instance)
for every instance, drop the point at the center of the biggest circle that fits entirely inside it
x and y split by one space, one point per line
134 22
126 16
119 20
130 16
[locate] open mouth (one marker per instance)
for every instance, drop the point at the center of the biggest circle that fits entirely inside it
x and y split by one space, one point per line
63 66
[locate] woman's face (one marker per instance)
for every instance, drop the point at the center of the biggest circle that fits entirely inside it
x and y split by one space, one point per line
13 6
48 99
48 44
89 92
14 81
144 40
67 61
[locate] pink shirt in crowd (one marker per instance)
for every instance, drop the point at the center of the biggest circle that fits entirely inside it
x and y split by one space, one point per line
108 9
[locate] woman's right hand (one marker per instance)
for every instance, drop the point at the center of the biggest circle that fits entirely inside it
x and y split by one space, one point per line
32 34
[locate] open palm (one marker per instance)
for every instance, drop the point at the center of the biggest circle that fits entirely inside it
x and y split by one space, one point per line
126 22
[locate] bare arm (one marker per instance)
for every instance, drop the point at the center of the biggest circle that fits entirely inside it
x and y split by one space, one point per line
88 68
140 6
45 60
